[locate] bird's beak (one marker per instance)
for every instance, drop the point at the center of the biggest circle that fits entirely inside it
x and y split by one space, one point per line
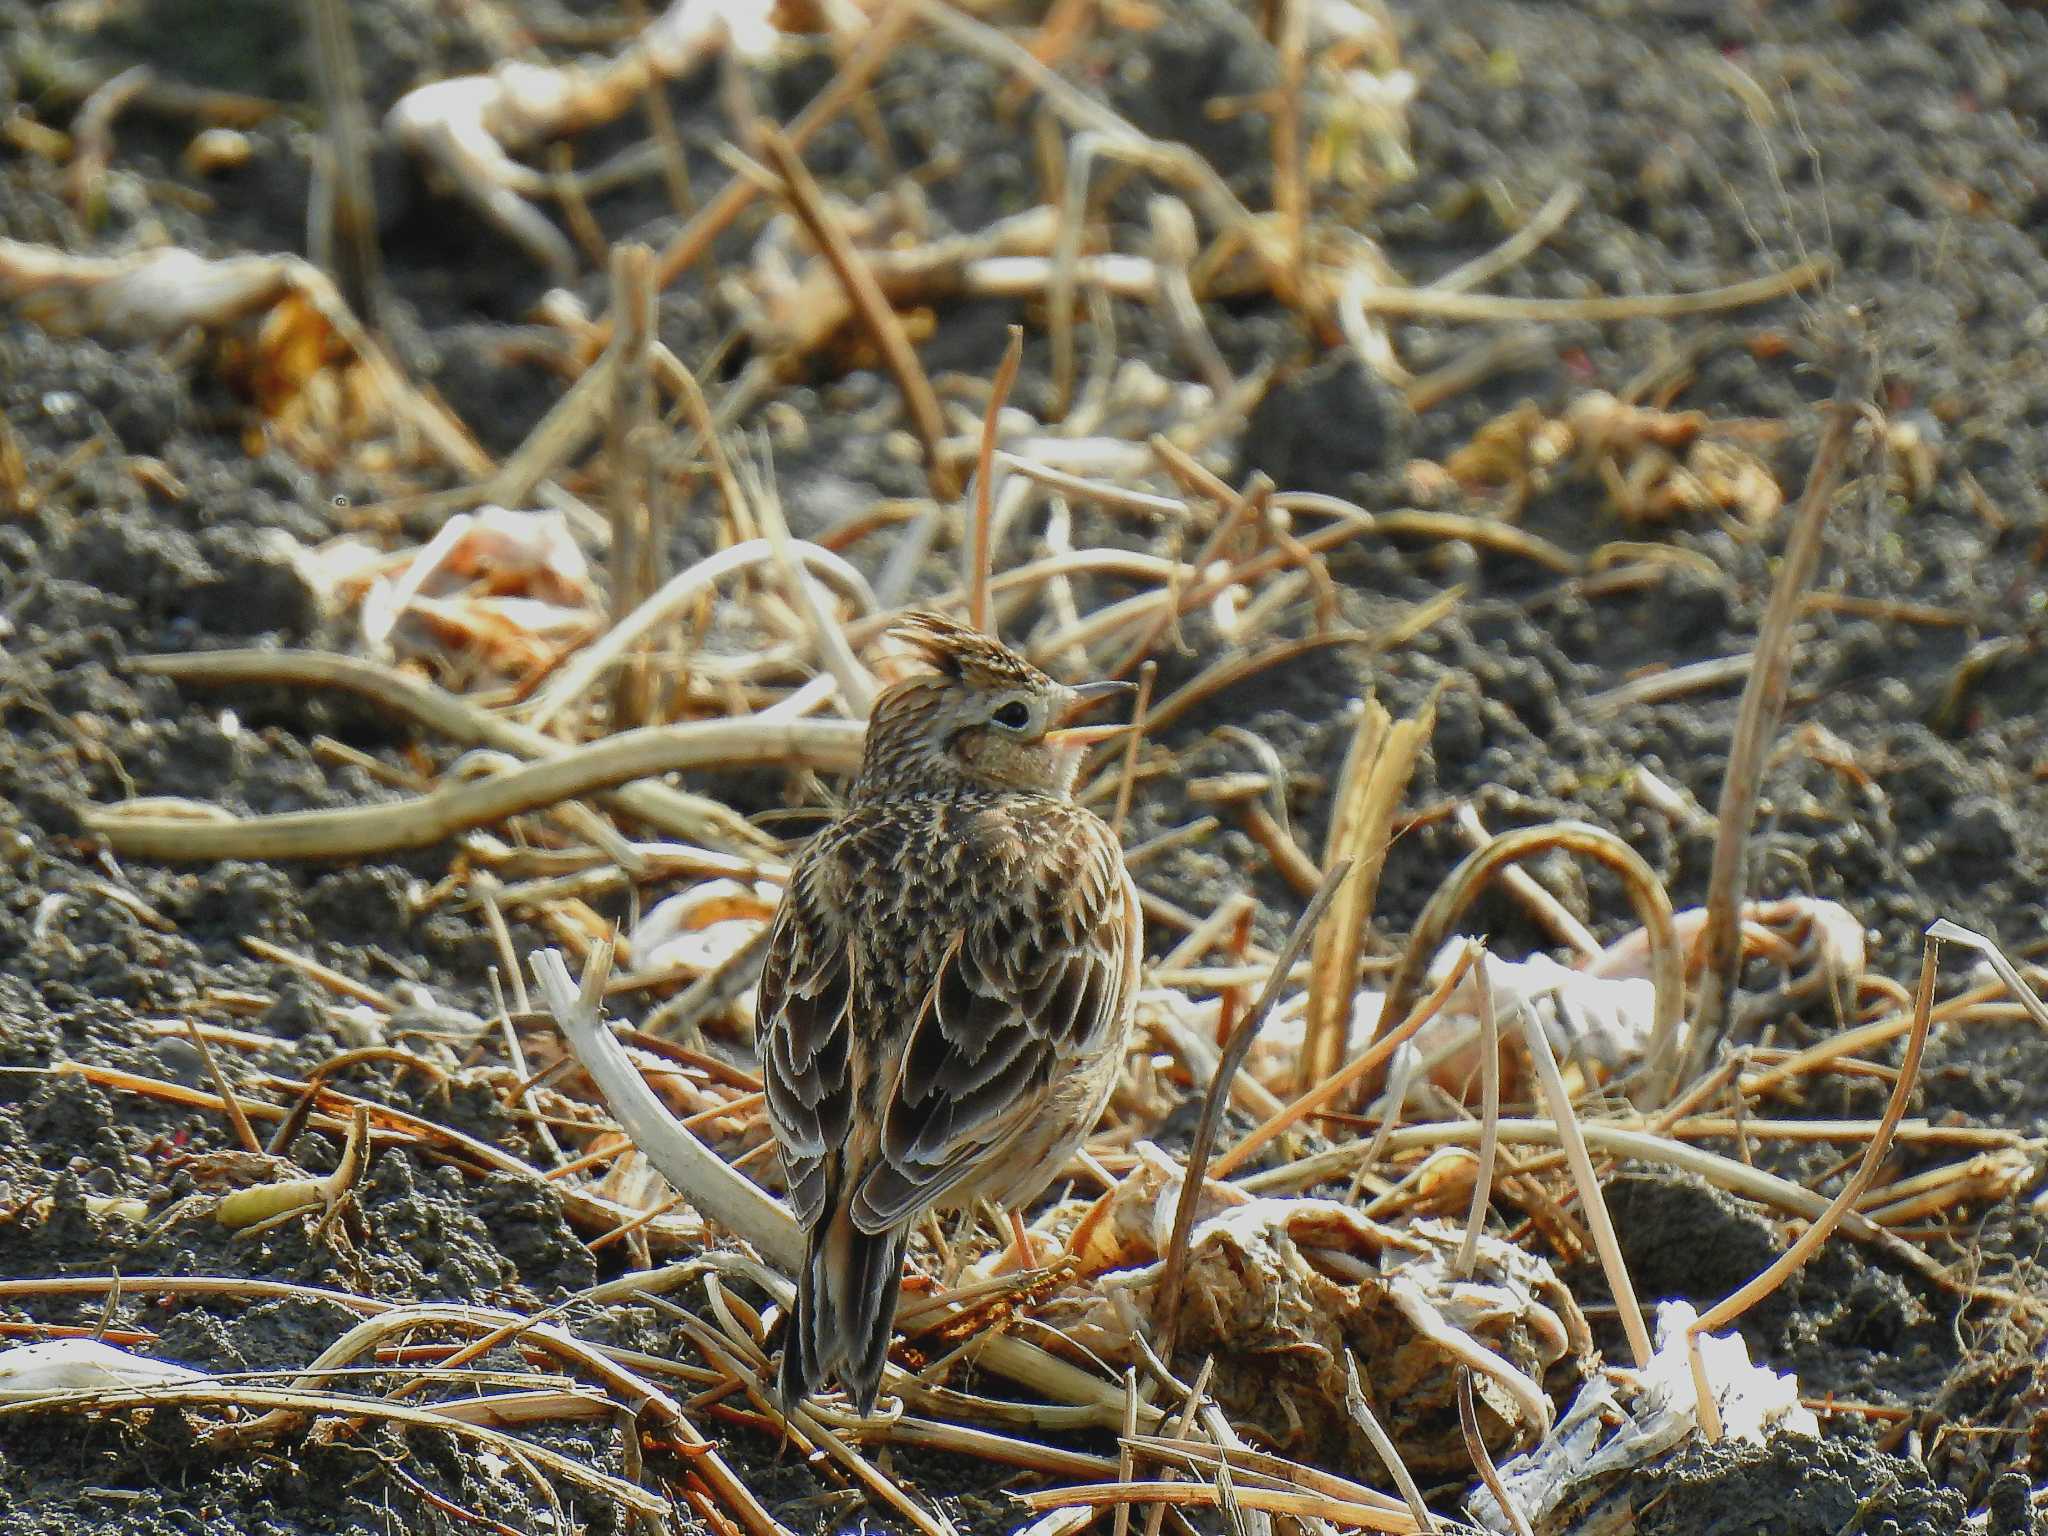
1086 697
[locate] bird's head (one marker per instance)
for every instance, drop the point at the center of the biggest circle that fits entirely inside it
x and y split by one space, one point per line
979 714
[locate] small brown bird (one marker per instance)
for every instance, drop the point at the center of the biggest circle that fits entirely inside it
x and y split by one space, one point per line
949 984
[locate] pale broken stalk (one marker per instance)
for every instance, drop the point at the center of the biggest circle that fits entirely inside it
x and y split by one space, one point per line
699 1174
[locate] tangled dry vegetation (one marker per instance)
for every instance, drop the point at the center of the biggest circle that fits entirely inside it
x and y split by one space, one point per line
1331 1321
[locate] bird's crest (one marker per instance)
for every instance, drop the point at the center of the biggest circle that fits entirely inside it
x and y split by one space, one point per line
963 652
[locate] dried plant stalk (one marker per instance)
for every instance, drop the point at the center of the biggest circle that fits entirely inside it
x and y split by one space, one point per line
639 536
1489 1126
1763 702
710 1184
344 214
1278 1501
1574 1142
979 554
856 686
1383 1446
695 238
1475 1446
1331 1088
17 495
2029 1001
209 1394
1376 771
1436 304
884 326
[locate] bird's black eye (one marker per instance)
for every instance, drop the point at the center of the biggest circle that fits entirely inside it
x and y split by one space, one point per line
1013 716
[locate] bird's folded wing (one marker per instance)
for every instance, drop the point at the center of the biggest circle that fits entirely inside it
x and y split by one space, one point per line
804 1004
1026 990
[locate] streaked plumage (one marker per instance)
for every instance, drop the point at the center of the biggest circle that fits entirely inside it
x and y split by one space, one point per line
948 987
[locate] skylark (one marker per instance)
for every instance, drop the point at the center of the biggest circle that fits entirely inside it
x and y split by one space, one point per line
949 984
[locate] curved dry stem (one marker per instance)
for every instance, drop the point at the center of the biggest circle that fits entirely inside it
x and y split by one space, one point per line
1562 926
700 1175
884 325
828 746
1794 1258
690 817
628 1389
1646 893
1475 1447
237 1286
828 636
2029 1001
1511 252
1480 532
211 1394
1466 1350
1383 1446
1436 304
1102 492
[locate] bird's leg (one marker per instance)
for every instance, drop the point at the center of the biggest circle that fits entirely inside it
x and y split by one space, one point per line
1020 1243
1019 1255
935 1234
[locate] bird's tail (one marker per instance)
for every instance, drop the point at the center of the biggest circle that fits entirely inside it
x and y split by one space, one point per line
845 1312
